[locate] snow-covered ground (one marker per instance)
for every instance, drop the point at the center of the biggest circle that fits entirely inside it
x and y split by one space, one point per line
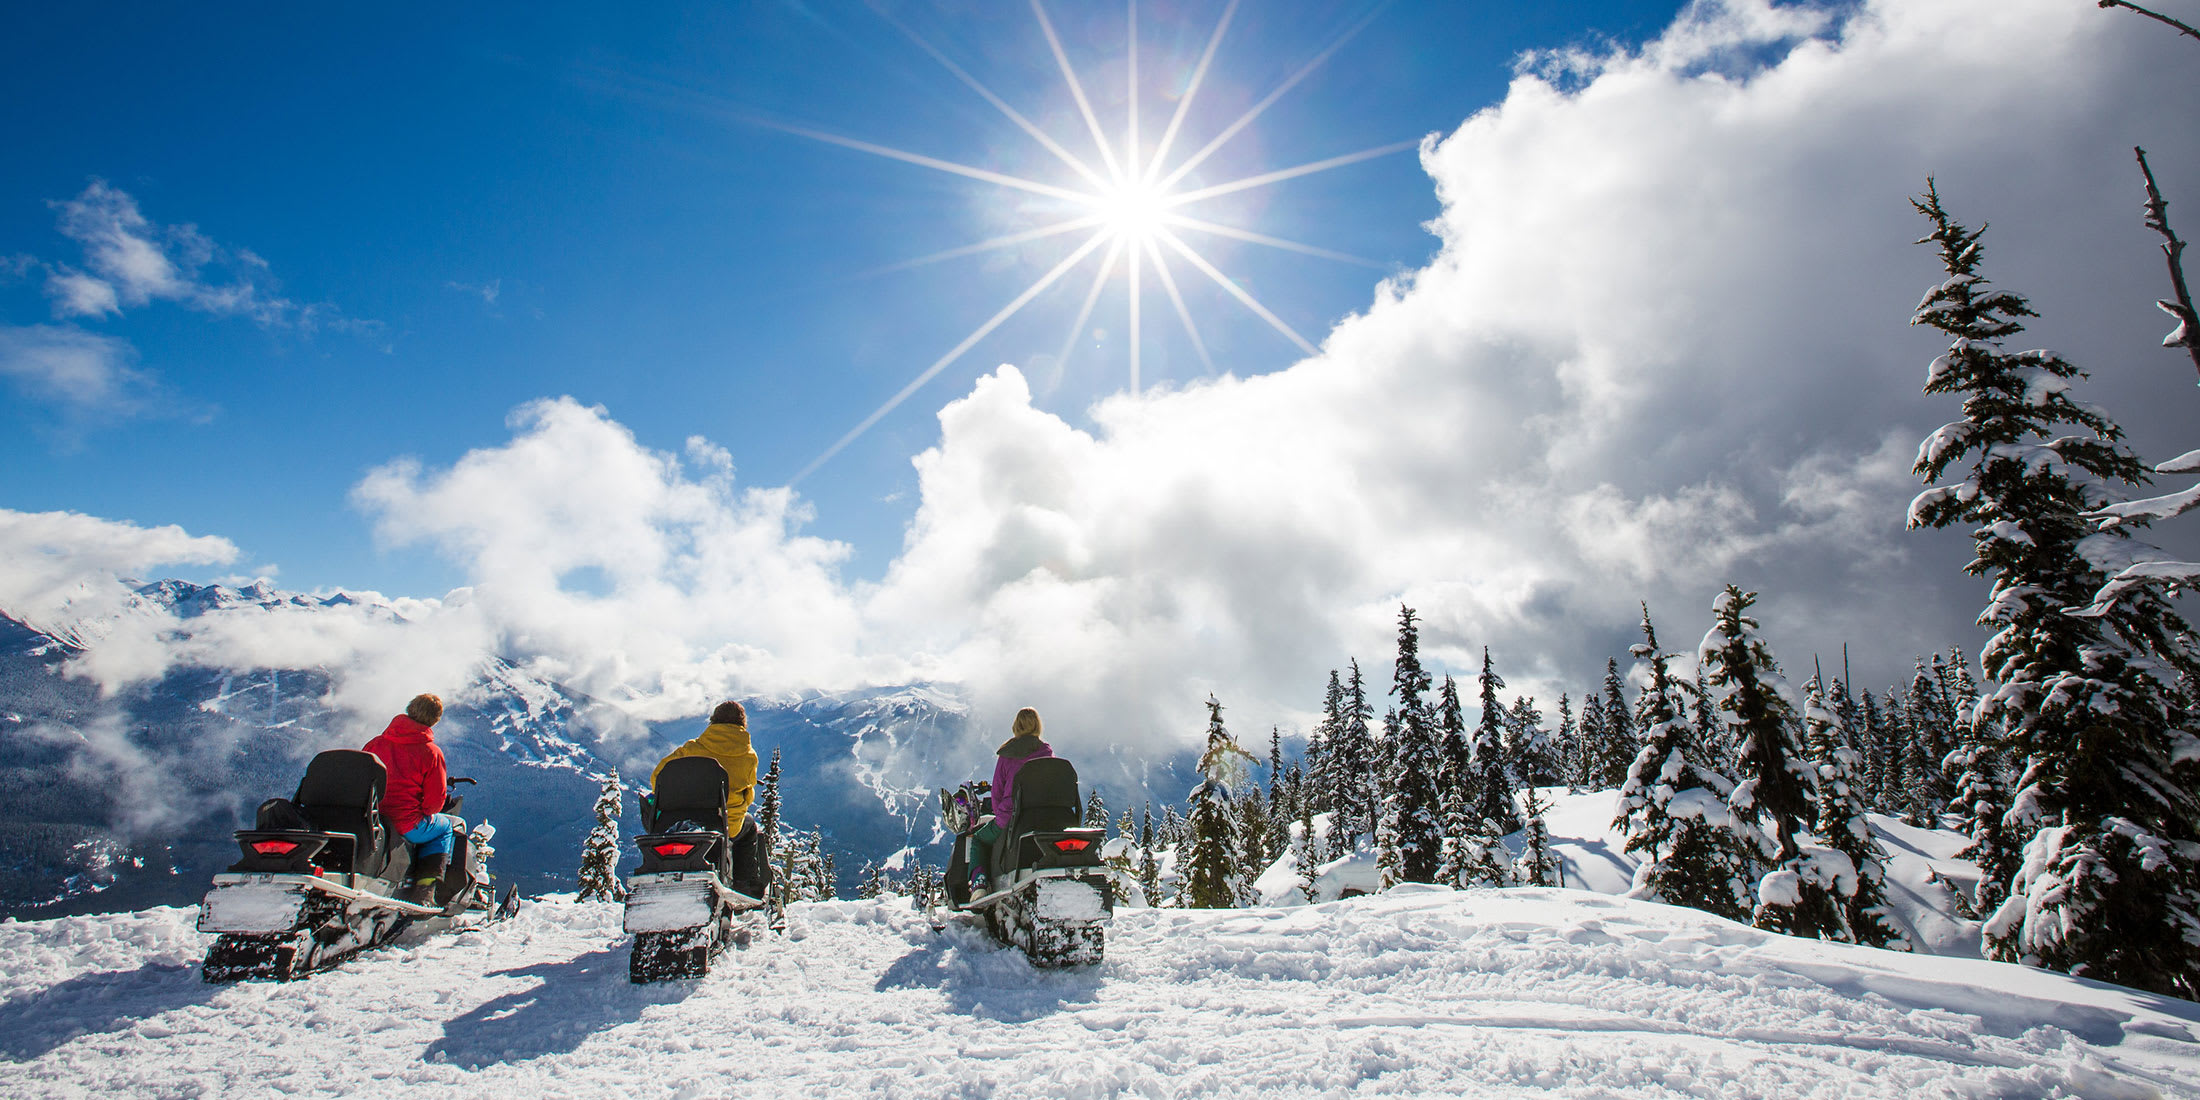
1421 991
1591 856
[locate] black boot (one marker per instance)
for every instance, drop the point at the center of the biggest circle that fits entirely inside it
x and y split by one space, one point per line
426 875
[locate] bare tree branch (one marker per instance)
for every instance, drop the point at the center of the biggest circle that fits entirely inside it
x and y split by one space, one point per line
2187 335
2155 15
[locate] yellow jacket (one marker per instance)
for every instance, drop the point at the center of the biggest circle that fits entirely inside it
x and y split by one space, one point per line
729 745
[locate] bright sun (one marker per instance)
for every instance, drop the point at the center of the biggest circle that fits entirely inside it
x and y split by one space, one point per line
1134 212
1134 204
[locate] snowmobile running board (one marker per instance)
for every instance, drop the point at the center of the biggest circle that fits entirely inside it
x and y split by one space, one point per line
231 910
1022 880
284 926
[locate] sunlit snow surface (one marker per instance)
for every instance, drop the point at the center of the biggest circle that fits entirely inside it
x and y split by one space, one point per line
1418 992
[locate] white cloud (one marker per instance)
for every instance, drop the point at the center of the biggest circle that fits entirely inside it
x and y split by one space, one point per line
133 261
625 570
61 569
63 363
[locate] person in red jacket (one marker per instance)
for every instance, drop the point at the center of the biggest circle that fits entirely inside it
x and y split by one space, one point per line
418 787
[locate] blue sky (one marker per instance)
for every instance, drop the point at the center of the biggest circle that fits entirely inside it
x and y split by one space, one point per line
650 246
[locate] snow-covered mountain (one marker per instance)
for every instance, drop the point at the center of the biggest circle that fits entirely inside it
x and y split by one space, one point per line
121 801
1421 991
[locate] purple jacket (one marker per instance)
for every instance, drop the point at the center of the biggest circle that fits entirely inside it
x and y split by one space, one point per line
1012 755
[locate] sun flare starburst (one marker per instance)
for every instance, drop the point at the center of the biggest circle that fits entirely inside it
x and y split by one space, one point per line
1131 205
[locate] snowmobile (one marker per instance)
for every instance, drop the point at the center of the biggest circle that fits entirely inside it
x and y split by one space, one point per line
321 874
1045 890
697 889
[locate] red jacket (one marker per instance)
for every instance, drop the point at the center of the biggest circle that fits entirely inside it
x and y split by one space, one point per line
418 782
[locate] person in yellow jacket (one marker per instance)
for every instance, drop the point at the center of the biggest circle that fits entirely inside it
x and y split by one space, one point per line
725 740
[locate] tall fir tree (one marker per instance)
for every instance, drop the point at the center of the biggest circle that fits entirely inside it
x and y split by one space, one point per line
1096 810
2109 885
1416 766
1491 795
1839 822
1568 740
1621 743
1981 805
1358 758
1776 789
600 852
1213 873
1455 756
1673 810
767 805
1149 866
1321 748
1306 861
1590 762
1538 865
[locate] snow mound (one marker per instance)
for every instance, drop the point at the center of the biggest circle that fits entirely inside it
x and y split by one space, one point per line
1418 991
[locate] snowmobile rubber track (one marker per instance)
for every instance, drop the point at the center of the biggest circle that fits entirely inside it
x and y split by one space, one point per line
688 952
1049 942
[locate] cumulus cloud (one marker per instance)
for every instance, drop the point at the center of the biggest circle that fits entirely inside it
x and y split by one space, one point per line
629 572
1661 348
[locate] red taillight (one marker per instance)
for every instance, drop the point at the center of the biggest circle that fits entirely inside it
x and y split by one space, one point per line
274 847
1071 844
671 850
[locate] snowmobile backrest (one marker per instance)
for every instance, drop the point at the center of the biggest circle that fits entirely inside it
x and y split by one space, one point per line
1046 797
342 793
692 788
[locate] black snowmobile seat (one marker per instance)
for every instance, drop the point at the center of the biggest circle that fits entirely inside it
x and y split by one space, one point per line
692 788
1045 801
342 793
1046 797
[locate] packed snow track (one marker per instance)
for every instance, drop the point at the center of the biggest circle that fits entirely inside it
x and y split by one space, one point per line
1421 991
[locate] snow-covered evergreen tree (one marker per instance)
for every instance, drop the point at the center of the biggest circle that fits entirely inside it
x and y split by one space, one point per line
1306 860
1980 806
1490 797
1096 810
1354 797
1528 744
1620 743
767 805
1149 867
1455 757
1777 786
1321 747
1415 804
600 852
1214 876
1673 811
871 883
2109 884
1839 822
1538 865
1590 761
1568 741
